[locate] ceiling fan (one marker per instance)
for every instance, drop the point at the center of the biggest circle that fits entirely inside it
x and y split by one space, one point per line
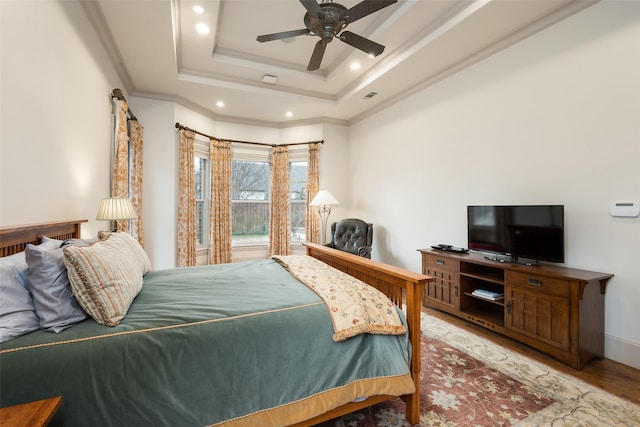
327 20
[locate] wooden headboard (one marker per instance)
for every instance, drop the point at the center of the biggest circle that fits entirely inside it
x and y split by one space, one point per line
14 239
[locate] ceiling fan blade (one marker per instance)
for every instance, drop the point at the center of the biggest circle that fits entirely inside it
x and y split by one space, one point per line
364 8
316 57
282 35
312 7
365 45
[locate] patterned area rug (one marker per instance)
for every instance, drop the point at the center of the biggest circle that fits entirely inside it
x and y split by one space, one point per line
469 381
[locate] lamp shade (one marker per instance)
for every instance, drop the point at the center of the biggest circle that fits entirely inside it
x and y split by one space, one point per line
324 198
115 208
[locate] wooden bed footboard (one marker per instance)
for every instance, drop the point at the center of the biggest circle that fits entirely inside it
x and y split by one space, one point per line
402 287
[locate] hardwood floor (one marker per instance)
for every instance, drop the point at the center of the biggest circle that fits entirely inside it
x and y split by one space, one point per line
614 377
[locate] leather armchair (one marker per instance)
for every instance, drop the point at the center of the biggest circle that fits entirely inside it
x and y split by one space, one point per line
352 235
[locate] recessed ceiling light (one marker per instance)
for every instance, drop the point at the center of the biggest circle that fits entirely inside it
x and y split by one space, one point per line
355 66
202 28
220 104
198 9
289 114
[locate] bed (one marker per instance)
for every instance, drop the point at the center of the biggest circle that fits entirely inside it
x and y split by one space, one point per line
242 344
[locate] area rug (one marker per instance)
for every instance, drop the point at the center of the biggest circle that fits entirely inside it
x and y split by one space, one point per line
467 380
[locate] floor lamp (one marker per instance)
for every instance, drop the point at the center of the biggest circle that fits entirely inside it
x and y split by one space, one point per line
324 201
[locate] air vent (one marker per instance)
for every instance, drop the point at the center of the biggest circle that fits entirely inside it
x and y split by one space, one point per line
269 79
371 94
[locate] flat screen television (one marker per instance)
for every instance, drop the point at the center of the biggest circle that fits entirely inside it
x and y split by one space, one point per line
524 232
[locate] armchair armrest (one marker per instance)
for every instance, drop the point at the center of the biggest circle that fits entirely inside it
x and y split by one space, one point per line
364 251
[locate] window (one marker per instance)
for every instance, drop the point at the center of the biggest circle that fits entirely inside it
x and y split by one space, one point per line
202 174
298 203
250 184
250 195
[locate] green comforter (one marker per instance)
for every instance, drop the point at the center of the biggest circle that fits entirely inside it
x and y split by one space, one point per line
199 346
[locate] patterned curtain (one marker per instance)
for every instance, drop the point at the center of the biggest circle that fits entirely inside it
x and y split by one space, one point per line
279 221
186 242
312 221
136 179
220 250
120 175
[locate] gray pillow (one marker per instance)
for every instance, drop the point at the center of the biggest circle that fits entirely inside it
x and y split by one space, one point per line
48 282
17 313
49 242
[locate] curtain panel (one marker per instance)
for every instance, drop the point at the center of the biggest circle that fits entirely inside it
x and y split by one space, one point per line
279 218
186 239
136 131
220 247
312 221
120 172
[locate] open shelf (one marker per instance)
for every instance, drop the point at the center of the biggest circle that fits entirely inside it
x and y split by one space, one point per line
493 319
482 272
499 302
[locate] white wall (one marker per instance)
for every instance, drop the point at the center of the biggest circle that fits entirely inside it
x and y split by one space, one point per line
55 120
553 119
159 179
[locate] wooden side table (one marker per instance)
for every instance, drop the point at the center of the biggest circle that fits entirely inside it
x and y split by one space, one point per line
33 414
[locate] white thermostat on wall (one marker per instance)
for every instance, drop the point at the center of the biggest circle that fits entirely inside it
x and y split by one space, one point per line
628 209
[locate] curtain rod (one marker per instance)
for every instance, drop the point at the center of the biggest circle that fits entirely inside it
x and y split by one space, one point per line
179 126
117 93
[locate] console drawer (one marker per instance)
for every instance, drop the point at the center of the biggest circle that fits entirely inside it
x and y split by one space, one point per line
543 285
437 262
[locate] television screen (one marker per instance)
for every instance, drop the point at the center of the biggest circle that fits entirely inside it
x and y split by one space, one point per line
527 231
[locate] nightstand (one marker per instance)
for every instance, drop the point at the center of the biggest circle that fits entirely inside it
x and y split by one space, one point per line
32 414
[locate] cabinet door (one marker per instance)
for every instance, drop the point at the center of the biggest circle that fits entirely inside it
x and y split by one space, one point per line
539 316
445 288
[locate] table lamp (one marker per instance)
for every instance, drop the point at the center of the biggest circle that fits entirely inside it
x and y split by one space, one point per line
114 209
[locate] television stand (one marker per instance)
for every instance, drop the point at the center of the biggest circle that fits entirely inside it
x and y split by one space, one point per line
555 309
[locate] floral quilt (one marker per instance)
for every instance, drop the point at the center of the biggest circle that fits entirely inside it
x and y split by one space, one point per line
354 306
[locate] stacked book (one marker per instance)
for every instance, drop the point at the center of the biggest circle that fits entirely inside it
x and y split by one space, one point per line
490 295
